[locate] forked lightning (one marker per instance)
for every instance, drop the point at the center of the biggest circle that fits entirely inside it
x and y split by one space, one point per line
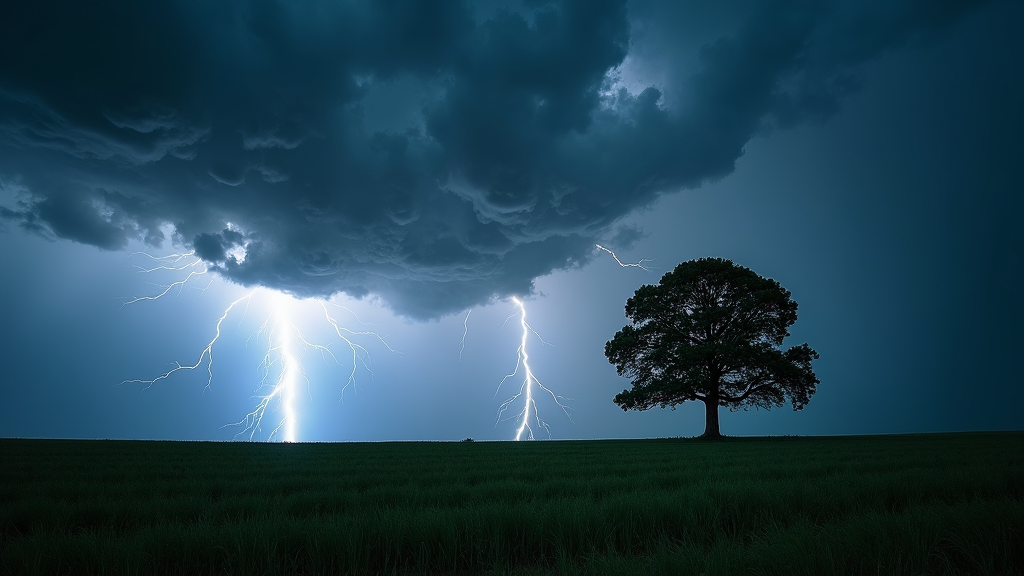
526 389
281 366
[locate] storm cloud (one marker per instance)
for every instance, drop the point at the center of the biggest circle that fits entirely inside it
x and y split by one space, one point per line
436 155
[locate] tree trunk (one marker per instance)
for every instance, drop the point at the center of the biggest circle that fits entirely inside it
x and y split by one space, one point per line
711 419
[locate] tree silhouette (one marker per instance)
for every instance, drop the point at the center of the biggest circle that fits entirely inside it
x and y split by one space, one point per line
710 331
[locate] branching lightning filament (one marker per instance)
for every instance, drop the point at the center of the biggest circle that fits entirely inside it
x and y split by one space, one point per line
639 264
359 353
206 355
530 412
281 372
172 262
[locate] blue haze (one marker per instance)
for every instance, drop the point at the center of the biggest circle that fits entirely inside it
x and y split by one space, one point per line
897 223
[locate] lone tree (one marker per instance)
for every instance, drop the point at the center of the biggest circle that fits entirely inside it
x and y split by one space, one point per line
710 331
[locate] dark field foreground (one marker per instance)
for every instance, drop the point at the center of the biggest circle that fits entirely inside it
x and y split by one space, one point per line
919 504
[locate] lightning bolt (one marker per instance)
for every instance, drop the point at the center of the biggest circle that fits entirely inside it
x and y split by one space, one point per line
639 264
280 366
356 349
530 410
465 333
281 335
206 353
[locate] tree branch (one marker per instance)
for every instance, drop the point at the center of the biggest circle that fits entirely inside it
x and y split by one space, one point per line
746 394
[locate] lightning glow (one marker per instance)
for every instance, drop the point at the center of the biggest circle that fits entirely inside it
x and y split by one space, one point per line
280 369
281 336
530 411
639 264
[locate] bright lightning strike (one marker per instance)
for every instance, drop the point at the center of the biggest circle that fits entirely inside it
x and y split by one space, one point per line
465 333
526 389
281 335
281 365
639 264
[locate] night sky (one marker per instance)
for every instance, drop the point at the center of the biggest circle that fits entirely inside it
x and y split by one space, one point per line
415 162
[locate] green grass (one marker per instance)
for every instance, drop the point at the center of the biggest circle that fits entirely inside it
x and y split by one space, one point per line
915 504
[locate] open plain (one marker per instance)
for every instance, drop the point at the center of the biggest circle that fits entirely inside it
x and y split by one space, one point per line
908 504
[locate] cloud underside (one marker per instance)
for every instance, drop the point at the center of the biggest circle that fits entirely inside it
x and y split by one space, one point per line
430 155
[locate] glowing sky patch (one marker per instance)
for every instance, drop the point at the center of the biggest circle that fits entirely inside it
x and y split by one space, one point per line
281 365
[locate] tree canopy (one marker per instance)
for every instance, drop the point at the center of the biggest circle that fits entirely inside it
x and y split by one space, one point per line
711 331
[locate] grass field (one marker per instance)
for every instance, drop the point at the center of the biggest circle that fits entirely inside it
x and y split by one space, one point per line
915 504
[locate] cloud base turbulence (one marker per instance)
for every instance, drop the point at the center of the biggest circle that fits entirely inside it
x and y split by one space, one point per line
435 155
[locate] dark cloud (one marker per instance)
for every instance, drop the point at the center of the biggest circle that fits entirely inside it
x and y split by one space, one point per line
435 154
